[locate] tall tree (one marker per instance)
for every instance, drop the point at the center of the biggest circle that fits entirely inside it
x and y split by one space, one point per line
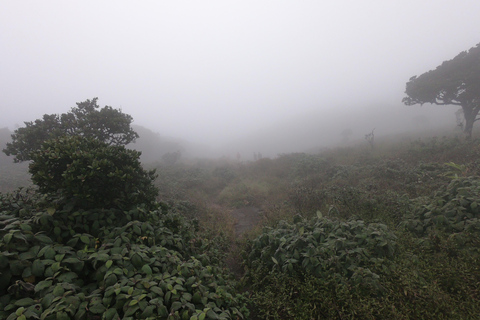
107 125
454 82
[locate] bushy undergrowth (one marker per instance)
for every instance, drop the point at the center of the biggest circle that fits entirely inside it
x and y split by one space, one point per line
453 209
324 269
433 272
419 285
399 239
152 266
327 256
322 247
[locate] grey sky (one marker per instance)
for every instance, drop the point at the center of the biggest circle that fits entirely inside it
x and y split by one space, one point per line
214 70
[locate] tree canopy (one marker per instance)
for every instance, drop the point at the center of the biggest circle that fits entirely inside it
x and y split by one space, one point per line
92 174
107 125
454 82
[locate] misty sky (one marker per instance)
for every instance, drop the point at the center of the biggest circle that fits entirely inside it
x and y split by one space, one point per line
215 70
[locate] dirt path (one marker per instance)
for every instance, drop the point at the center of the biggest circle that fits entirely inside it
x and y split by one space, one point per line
246 219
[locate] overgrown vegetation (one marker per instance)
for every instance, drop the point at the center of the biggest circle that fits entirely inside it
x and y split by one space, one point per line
91 242
136 264
350 233
341 236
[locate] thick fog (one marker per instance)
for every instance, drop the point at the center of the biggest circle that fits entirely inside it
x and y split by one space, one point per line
289 74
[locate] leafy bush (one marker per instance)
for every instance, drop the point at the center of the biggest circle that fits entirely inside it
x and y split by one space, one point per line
153 267
92 174
306 199
417 287
322 248
361 271
454 208
22 199
313 268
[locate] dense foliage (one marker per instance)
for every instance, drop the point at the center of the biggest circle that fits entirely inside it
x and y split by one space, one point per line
92 174
107 124
424 266
433 274
153 266
397 238
453 209
323 248
91 242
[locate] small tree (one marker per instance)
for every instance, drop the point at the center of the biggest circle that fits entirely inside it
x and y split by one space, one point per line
92 174
108 125
454 82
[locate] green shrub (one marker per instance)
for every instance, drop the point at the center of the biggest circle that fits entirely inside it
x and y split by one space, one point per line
322 248
306 199
308 165
455 208
313 269
415 282
92 174
22 199
153 267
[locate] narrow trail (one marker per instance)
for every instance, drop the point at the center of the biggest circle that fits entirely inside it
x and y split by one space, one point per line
246 219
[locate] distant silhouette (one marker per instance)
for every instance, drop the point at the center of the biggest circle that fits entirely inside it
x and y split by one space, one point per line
370 138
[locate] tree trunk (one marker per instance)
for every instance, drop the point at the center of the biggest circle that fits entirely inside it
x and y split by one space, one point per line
470 112
468 127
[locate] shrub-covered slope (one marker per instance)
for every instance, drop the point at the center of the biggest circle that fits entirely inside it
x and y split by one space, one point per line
350 233
109 264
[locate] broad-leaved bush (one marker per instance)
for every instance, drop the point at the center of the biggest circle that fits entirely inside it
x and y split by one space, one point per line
92 174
